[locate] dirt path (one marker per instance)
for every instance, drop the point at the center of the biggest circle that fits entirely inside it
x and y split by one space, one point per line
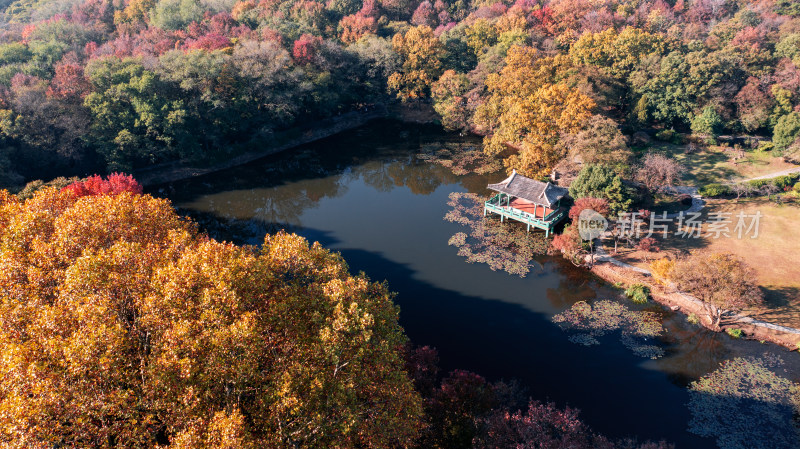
789 171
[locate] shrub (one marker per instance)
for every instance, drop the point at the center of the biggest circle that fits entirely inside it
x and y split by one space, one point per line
114 184
734 332
766 146
692 318
648 245
666 135
34 186
785 181
797 187
638 293
714 190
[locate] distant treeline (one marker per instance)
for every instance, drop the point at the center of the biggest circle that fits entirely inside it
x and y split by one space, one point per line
122 84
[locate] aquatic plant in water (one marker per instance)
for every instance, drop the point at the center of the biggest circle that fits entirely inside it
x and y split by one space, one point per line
462 160
744 403
502 246
589 321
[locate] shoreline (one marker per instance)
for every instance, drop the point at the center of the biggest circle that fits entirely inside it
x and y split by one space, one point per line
680 302
606 268
177 171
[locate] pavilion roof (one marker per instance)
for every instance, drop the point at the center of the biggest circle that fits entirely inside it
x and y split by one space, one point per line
537 192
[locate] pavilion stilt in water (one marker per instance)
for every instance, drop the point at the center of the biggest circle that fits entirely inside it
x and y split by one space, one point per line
520 198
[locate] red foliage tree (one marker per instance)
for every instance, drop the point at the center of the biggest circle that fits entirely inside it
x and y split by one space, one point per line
424 14
568 242
68 83
540 426
544 18
422 366
306 48
209 42
90 48
599 205
355 26
114 184
648 245
754 104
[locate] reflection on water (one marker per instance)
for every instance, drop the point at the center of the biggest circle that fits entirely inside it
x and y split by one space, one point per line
367 194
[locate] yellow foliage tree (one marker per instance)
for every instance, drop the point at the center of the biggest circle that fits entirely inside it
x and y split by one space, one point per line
121 326
662 270
526 111
135 12
422 53
617 53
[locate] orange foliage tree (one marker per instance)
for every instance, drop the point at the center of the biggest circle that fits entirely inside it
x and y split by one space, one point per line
120 325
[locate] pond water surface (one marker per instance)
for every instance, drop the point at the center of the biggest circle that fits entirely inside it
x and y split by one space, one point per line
366 194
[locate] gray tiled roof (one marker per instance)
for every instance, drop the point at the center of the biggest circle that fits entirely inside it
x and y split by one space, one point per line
541 193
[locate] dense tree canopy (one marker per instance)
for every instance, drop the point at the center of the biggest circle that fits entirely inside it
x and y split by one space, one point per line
121 326
159 80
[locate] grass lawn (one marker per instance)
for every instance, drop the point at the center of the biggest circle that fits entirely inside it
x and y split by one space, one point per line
774 254
712 164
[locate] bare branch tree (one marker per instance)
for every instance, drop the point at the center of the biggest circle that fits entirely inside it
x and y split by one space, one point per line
658 172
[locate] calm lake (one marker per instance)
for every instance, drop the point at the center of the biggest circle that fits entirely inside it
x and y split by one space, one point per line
366 194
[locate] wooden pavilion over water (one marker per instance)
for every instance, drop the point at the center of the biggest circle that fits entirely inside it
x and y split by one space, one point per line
532 202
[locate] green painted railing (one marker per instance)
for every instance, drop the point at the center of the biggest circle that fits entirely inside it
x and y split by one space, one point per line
545 223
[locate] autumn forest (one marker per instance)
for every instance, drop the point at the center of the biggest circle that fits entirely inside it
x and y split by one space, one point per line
125 323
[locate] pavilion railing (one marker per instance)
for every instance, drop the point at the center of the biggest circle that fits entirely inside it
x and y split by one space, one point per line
493 204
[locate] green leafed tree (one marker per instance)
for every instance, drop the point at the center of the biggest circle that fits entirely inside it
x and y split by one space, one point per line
176 14
600 181
708 122
136 118
787 130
